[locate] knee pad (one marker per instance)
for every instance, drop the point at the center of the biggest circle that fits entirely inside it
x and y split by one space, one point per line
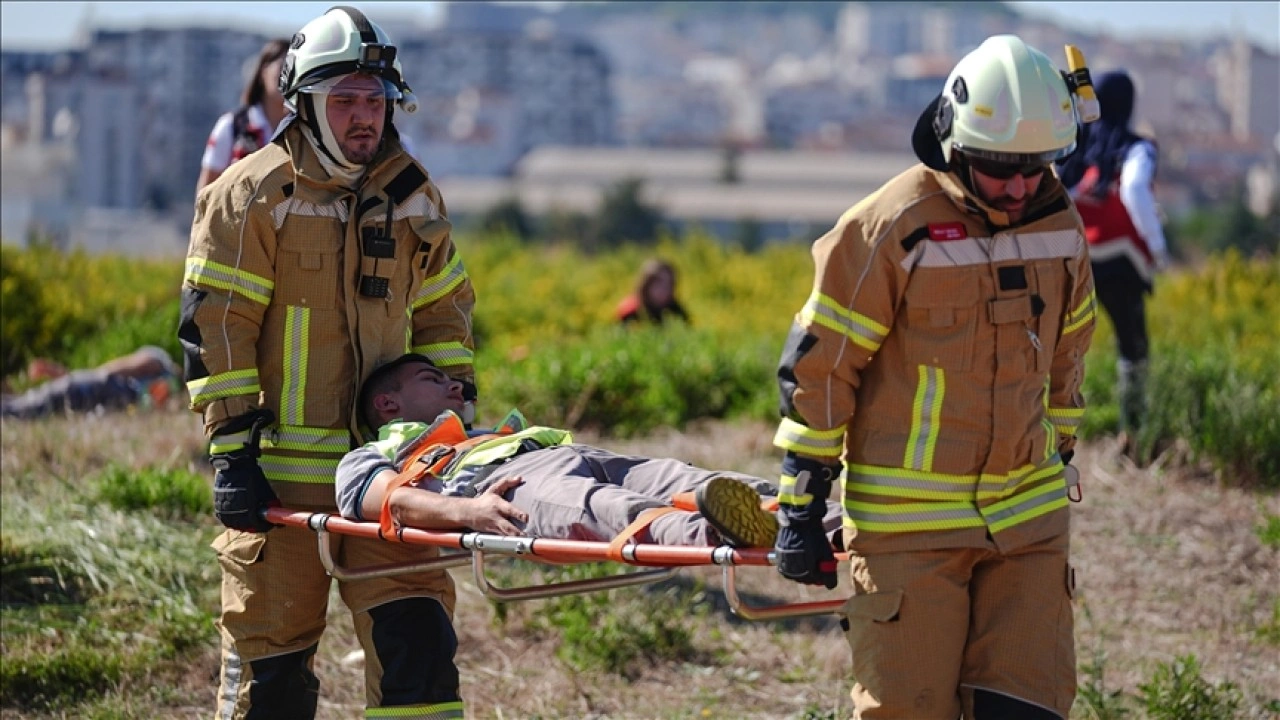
989 705
416 644
283 687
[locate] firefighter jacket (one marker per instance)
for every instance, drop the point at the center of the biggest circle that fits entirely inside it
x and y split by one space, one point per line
941 354
296 289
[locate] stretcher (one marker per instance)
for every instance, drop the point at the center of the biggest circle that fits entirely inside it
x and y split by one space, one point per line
658 562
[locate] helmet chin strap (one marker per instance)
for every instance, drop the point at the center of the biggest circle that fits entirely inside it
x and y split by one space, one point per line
323 136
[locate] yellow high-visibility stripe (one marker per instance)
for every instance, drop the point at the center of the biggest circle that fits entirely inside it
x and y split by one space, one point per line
787 493
911 517
859 328
297 343
280 468
1082 315
926 418
1066 420
438 711
202 271
227 384
228 442
1026 506
440 284
446 354
307 439
805 440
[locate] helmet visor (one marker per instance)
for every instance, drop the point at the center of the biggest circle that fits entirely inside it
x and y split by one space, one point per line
1013 158
354 85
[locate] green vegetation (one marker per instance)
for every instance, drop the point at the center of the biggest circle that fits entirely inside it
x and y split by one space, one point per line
547 342
1178 692
179 492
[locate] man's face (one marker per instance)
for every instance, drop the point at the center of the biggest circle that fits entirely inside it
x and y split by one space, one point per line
356 109
1007 189
425 392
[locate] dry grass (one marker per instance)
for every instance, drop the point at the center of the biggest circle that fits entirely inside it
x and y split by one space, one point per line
1169 564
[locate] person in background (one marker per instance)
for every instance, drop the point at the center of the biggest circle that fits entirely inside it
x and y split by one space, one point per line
1112 179
144 377
936 370
654 298
311 262
251 125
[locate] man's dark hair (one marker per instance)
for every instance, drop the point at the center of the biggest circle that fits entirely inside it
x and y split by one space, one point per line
383 380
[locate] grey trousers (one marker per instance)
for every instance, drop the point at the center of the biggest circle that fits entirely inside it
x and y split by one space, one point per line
580 492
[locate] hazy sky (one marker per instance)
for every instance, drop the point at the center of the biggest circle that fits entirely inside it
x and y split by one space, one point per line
33 25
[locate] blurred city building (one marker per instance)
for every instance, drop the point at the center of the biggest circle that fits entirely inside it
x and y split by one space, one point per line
114 129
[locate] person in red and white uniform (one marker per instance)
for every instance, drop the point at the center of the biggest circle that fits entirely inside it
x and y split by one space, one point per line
250 126
1112 181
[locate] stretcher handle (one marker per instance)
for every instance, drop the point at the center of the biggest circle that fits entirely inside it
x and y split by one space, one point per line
568 587
773 612
440 562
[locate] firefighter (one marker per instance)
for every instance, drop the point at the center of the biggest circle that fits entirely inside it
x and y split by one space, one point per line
311 262
1112 181
936 368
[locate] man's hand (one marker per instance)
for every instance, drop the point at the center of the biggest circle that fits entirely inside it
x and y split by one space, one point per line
241 491
804 554
490 512
803 551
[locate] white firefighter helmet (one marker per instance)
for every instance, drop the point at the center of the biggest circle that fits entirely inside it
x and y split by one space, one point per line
1004 102
338 43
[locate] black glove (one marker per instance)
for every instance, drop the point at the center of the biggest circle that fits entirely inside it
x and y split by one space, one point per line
803 551
240 490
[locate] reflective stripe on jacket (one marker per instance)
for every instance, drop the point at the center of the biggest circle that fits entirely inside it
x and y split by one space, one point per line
459 449
940 354
272 315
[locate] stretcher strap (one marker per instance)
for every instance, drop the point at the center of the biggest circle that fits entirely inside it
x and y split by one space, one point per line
429 458
642 522
416 467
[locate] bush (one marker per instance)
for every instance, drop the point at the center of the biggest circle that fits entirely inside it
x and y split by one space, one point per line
176 491
1177 692
65 676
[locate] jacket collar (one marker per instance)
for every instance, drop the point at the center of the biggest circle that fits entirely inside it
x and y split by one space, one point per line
310 172
1049 197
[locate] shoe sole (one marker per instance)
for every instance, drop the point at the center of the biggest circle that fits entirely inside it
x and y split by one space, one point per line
733 509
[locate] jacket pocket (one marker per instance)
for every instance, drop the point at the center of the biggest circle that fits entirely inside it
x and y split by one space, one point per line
880 607
308 264
940 320
238 547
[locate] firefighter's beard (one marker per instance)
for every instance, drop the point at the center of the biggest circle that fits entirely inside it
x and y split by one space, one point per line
360 144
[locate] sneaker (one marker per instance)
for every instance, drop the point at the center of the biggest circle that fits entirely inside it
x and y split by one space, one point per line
733 509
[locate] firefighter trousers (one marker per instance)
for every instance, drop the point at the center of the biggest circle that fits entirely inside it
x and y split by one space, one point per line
928 628
275 596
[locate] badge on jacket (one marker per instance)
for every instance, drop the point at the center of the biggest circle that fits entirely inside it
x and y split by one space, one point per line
942 232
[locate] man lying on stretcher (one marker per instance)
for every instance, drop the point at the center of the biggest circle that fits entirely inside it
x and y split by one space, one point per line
526 480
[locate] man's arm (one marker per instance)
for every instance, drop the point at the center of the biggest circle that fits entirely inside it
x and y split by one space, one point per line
416 507
227 286
442 305
1066 375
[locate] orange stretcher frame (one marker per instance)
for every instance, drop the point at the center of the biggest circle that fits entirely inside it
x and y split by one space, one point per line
661 561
